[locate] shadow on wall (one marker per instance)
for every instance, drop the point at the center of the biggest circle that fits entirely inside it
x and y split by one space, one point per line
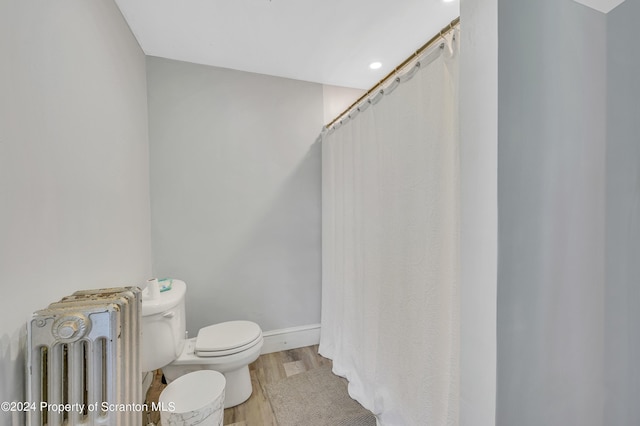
274 277
12 374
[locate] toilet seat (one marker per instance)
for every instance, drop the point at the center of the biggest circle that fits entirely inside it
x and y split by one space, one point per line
227 338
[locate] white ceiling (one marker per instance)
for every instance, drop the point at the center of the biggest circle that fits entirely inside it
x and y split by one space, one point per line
604 6
329 41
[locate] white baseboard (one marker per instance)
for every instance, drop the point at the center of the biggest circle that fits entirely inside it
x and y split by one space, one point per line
290 338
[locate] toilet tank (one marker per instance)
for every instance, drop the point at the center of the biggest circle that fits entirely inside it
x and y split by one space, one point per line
163 326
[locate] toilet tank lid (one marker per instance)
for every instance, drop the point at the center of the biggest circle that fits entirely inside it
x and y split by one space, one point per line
226 335
167 300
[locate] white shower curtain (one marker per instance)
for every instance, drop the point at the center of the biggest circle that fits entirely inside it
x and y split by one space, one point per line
390 247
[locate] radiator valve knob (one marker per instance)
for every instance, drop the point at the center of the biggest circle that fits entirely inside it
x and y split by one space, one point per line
71 327
67 329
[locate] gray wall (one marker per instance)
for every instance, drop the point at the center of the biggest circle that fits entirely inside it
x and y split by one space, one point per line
74 183
235 192
622 349
569 215
478 210
551 207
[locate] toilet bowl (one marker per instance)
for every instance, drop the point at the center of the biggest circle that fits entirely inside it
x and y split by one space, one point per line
227 347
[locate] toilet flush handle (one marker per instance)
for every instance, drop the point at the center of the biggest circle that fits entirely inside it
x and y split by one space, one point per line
169 314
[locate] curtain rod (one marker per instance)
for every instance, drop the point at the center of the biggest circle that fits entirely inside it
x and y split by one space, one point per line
444 31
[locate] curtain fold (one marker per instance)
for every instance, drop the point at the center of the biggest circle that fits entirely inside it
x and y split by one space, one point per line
390 218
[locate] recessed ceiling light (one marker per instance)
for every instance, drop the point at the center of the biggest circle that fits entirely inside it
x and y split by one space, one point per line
375 65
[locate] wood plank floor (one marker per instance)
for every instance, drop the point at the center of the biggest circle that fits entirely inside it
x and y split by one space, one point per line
268 368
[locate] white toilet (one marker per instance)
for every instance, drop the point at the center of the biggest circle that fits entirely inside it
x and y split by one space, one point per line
228 347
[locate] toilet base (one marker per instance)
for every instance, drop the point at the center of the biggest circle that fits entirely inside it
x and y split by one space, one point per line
241 389
237 390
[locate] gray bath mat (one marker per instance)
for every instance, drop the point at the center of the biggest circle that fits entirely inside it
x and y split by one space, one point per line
316 398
